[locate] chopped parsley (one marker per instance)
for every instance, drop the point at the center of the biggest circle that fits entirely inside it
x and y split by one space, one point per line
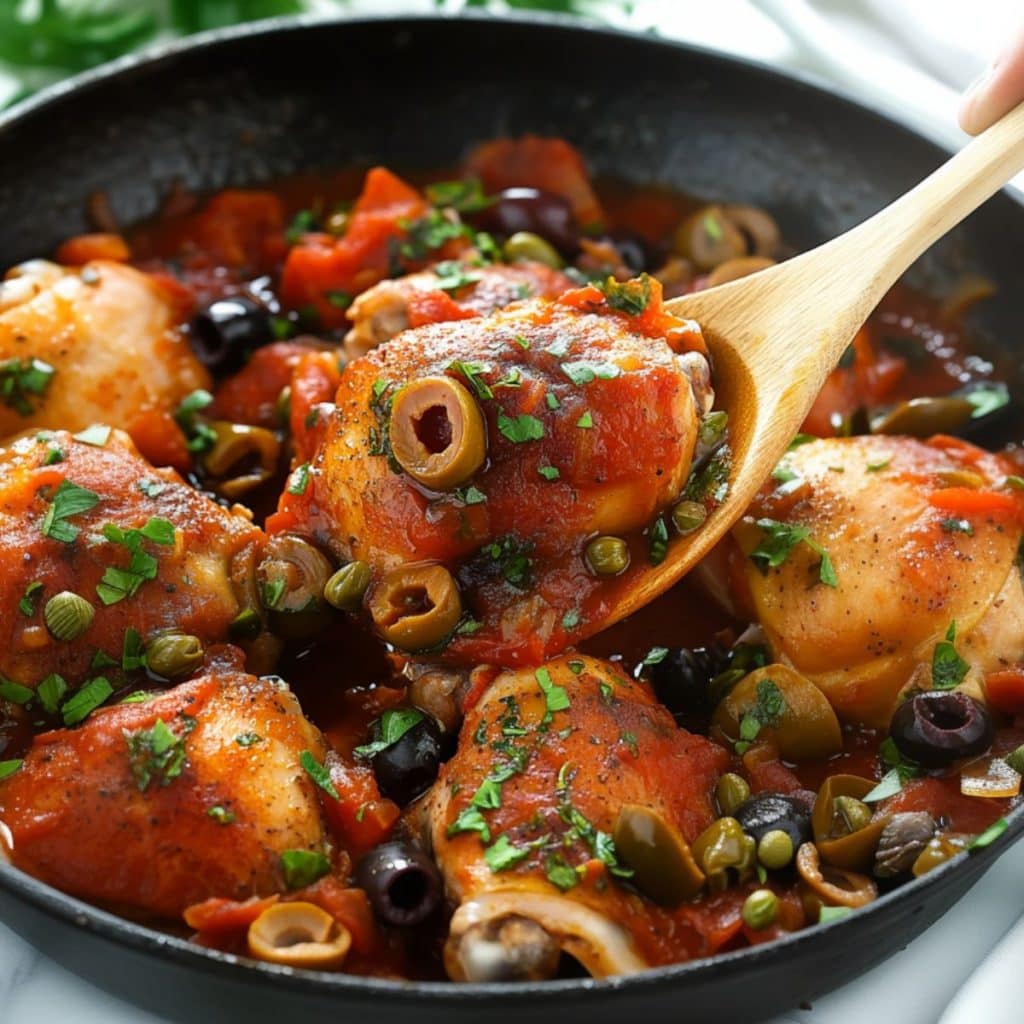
571 619
248 739
713 427
21 381
900 771
8 768
957 526
472 372
15 692
86 700
586 421
502 855
152 488
51 692
299 480
875 467
657 542
711 481
523 343
549 472
556 698
513 559
133 654
581 373
200 436
465 196
451 276
778 543
318 773
552 401
827 914
119 583
559 873
30 598
68 500
989 836
948 668
470 820
770 707
987 400
426 234
338 299
221 815
303 867
390 728
630 297
302 222
97 435
155 755
470 495
521 429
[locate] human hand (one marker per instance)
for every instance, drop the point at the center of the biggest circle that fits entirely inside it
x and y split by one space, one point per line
999 89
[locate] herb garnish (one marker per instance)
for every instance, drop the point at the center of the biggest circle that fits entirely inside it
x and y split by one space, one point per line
248 739
989 836
986 400
780 540
465 196
556 698
502 855
900 771
97 435
948 668
30 598
302 222
630 297
770 707
68 500
391 727
299 480
586 421
451 276
155 755
119 583
86 700
581 372
51 692
221 815
22 380
512 557
15 692
549 472
560 874
472 372
303 867
200 436
318 773
521 429
657 542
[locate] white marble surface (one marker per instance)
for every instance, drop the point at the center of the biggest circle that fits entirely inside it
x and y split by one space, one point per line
909 56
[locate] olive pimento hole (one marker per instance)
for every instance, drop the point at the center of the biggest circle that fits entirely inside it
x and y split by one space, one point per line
434 429
945 714
292 937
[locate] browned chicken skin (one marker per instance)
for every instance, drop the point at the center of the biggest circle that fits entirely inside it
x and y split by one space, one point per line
150 807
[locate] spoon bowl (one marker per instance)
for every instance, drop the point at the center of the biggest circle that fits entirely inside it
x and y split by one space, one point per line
776 335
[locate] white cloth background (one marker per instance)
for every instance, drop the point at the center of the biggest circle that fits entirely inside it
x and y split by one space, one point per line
911 58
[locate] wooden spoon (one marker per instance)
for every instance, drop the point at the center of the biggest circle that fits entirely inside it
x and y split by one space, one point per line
776 335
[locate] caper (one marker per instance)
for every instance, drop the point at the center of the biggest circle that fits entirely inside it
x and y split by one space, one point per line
853 814
607 556
346 587
775 850
688 516
437 432
662 862
416 607
337 223
724 851
68 615
174 655
732 790
525 245
760 909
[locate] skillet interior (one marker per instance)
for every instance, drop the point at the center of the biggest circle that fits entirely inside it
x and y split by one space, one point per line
239 107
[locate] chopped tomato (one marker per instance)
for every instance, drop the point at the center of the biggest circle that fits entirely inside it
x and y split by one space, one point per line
78 251
361 818
222 917
250 396
1005 690
966 501
535 162
349 907
325 273
435 307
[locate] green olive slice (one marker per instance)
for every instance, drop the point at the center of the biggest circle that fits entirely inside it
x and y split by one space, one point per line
663 866
437 432
805 727
416 607
923 417
837 843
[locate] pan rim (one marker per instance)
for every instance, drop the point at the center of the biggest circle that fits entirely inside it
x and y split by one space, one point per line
149 941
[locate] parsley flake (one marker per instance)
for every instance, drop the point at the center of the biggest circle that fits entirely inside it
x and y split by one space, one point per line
68 500
389 729
30 598
155 755
948 668
521 429
21 381
303 867
629 297
318 773
86 700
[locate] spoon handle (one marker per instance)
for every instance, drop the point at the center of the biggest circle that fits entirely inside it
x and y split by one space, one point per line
893 238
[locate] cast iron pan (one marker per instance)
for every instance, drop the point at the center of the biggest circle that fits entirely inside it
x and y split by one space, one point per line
238 107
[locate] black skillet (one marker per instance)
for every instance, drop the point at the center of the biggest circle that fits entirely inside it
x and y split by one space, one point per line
242 106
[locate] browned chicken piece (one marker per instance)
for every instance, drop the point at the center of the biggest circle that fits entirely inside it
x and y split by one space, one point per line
521 822
93 344
95 542
444 292
922 539
150 807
